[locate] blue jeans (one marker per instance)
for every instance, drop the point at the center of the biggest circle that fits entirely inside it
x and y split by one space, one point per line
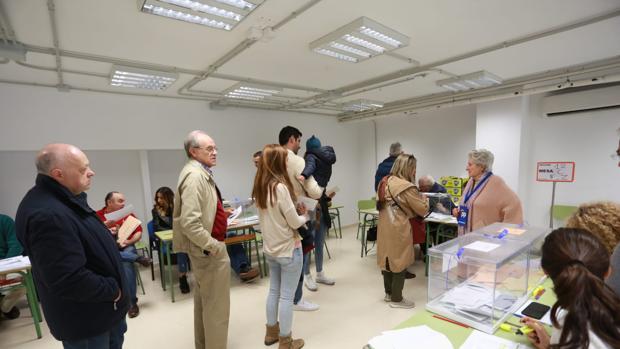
182 262
284 275
112 339
319 243
127 256
238 259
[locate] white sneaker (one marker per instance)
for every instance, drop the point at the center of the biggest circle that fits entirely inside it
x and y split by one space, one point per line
387 298
405 304
322 279
304 305
309 282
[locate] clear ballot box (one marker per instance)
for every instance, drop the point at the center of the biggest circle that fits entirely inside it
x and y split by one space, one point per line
482 277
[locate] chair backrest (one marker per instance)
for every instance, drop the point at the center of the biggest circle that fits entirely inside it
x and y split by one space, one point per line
562 212
366 204
150 229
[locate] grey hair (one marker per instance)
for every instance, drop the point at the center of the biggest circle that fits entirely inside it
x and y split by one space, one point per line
427 179
483 158
45 161
395 149
191 141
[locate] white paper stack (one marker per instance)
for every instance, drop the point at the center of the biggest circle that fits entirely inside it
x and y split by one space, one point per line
423 337
481 340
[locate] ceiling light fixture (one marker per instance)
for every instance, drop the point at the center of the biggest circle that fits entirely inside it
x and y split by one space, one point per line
471 81
252 92
219 14
123 76
359 40
362 105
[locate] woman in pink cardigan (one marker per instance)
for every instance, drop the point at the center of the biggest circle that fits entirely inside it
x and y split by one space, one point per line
486 198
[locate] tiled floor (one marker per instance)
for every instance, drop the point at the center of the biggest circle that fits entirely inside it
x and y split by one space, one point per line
352 311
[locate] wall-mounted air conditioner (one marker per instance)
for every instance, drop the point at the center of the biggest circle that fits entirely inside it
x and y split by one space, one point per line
581 100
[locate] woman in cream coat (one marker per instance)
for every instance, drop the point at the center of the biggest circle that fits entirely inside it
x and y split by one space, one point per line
398 200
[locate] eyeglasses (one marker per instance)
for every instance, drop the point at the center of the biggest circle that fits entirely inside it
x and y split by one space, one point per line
209 149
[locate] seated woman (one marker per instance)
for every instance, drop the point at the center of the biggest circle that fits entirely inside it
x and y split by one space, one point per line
587 312
603 220
162 220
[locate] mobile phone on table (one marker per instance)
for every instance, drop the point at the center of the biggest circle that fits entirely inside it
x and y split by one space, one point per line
535 310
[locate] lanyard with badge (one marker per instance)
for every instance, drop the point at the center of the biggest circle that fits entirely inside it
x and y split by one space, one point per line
462 218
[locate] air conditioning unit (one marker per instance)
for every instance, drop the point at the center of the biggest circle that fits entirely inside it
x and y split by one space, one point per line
582 99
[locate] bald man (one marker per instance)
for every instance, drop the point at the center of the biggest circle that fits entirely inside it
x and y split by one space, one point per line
199 229
76 265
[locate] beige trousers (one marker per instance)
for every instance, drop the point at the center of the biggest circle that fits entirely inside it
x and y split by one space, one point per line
211 300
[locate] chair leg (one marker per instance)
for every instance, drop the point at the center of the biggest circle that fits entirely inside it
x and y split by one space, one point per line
327 249
152 266
139 278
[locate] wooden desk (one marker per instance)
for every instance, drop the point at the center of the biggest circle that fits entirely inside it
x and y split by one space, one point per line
21 265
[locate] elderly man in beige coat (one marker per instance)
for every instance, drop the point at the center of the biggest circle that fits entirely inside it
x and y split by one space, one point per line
199 230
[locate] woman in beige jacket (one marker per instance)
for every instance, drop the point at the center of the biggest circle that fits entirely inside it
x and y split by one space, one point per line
279 219
398 200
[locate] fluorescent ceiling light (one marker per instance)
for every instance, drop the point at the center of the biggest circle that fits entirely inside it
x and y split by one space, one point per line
471 81
13 51
141 78
219 14
359 40
251 92
362 105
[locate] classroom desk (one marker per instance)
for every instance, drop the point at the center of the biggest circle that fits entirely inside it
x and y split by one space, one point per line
165 237
458 334
337 214
372 212
21 265
442 221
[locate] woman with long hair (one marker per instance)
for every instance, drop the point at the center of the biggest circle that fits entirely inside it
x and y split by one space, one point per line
587 311
398 200
162 220
279 219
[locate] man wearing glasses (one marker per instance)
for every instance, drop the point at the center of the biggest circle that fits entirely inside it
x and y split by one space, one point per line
199 229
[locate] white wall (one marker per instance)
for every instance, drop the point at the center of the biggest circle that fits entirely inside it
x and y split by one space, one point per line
440 140
588 139
498 129
115 126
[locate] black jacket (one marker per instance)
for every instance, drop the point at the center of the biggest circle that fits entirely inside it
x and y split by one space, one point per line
75 261
319 163
384 169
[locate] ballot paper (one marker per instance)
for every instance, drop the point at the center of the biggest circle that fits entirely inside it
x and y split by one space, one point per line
235 214
481 340
334 189
308 202
423 337
119 214
129 225
482 246
14 263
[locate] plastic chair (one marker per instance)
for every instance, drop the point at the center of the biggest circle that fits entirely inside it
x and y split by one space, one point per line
562 212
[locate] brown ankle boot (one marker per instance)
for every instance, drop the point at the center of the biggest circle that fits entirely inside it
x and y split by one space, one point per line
272 334
289 343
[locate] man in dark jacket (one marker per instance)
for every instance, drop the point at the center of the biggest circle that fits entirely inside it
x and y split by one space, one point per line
386 165
76 265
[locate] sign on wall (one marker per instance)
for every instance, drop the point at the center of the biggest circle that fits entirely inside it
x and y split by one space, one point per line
555 171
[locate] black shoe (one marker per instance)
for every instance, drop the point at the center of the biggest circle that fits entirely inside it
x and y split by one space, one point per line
183 284
144 261
409 275
12 314
133 311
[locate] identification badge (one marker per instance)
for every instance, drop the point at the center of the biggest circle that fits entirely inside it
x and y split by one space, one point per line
461 219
